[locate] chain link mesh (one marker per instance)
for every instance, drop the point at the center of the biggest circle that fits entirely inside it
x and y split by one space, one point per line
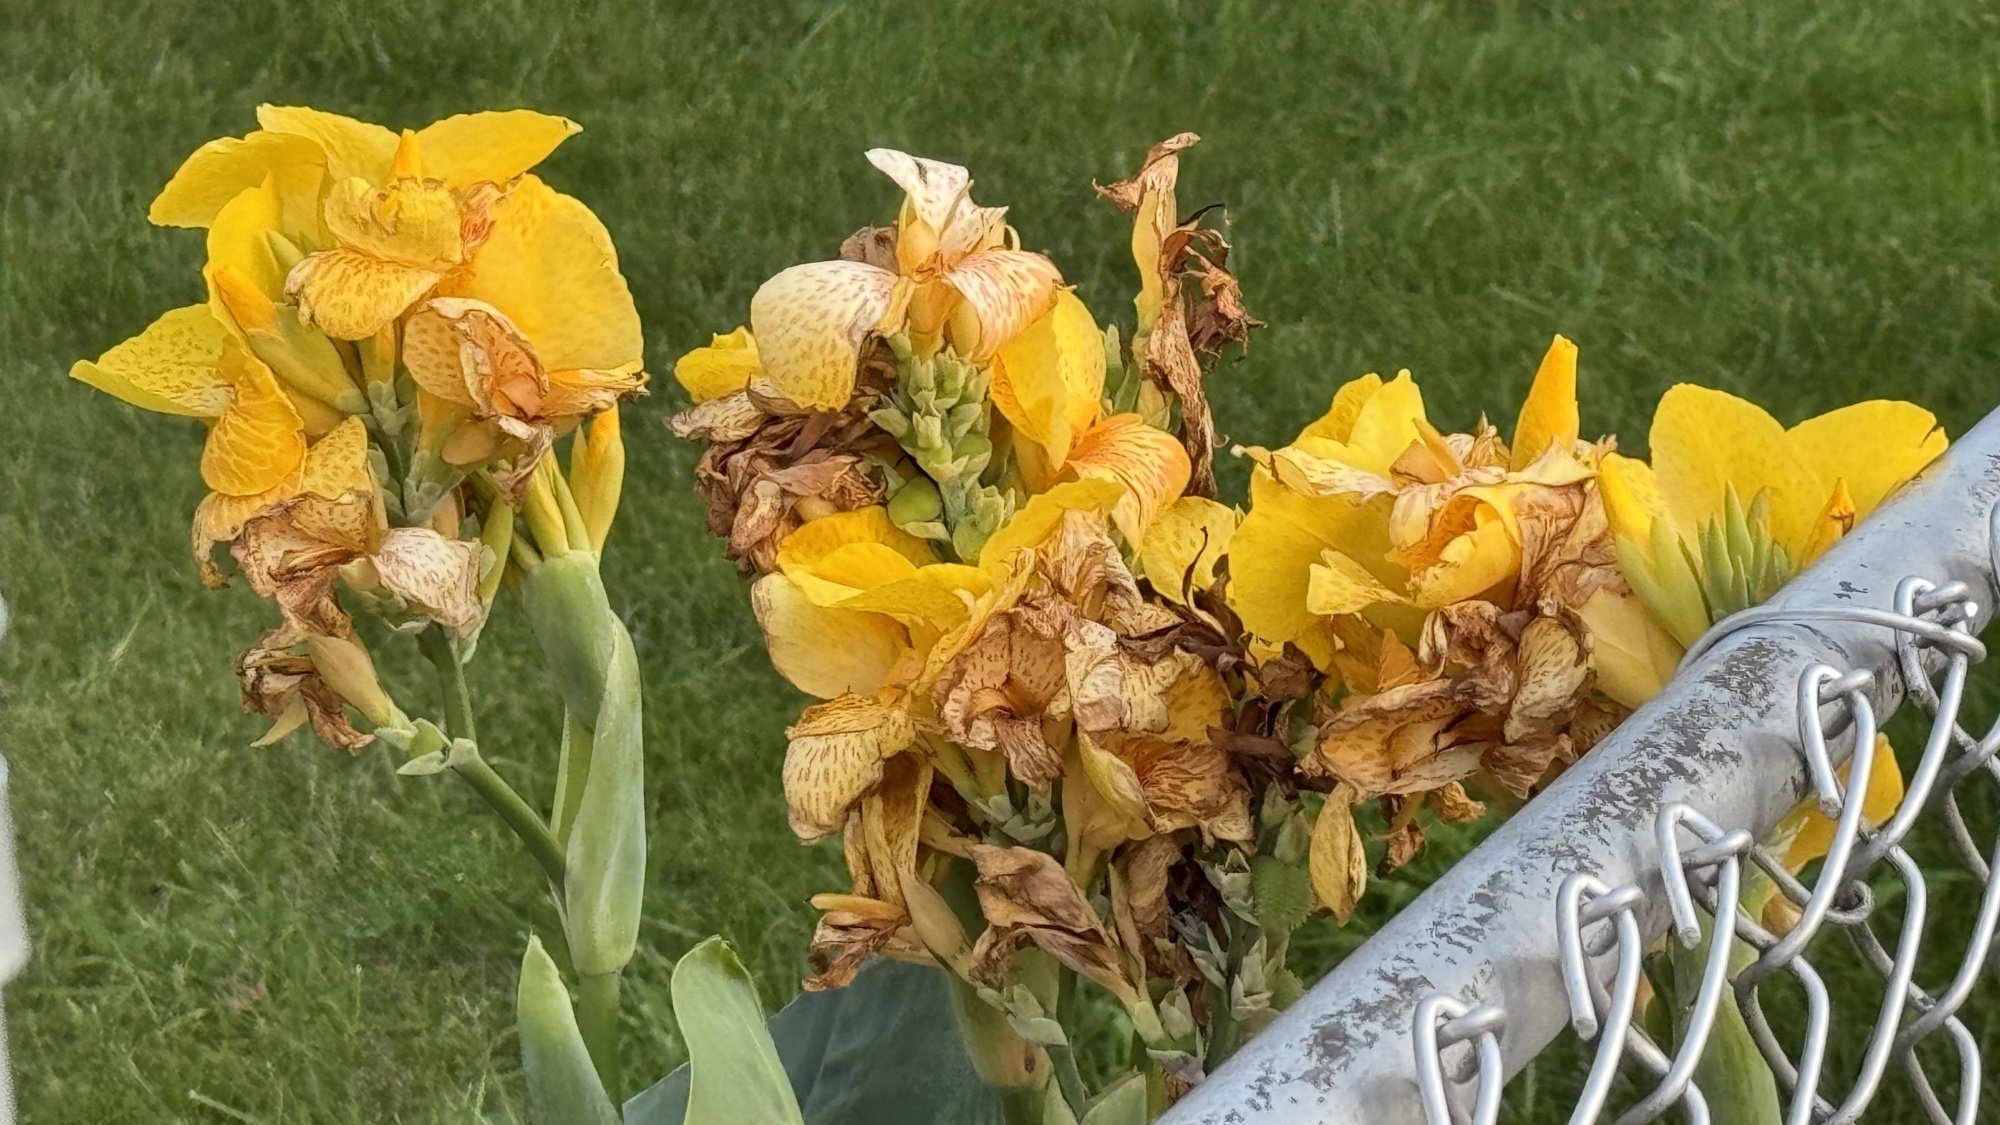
1703 869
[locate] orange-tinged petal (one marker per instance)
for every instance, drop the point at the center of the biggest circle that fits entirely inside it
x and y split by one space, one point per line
1549 415
259 442
222 169
1151 463
1042 514
810 321
170 367
1186 541
549 264
351 296
494 146
352 148
1048 381
824 652
1872 446
724 367
1001 292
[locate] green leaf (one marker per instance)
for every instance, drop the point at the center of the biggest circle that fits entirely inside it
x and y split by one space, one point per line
562 1083
1122 1103
882 1051
736 1075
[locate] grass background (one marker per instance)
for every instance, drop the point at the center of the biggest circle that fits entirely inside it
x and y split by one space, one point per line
1787 199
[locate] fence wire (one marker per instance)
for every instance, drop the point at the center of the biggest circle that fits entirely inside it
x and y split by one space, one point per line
1703 870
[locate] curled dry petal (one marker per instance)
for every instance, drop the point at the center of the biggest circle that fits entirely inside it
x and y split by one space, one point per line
281 682
437 577
1336 861
835 756
995 693
1027 897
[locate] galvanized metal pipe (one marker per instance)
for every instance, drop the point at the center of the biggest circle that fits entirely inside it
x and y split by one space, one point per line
1722 738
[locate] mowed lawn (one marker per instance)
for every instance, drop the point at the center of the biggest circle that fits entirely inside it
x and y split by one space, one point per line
1791 200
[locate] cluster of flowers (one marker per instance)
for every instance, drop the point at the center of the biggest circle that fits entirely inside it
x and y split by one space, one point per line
397 327
1079 716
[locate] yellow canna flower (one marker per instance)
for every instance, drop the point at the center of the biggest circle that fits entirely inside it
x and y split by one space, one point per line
402 211
957 277
1372 513
1731 506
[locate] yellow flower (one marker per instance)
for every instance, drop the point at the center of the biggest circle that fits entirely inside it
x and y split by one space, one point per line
537 330
1372 512
725 366
958 277
855 601
404 212
1732 505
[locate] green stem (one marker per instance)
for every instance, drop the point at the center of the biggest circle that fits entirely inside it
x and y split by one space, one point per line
504 799
1063 1058
1223 1038
597 1019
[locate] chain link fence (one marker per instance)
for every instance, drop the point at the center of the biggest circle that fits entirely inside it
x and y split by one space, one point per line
1651 841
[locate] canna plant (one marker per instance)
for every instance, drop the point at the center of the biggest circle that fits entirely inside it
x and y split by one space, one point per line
949 486
400 333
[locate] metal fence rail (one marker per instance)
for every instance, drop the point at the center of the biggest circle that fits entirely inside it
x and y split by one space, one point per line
1542 927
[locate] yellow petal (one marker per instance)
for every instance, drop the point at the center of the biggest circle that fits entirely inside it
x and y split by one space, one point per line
1002 292
1272 554
1387 424
1704 441
1835 520
494 146
816 539
411 222
337 464
238 242
1048 381
835 757
1336 860
1873 446
1549 415
1316 467
810 321
1182 548
572 394
1470 565
351 296
1042 514
170 367
258 442
934 597
850 569
1633 655
1884 797
1151 463
724 367
1337 585
824 652
1631 497
549 264
222 169
1337 424
352 148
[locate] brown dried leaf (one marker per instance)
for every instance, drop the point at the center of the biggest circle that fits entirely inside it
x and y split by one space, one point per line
1027 897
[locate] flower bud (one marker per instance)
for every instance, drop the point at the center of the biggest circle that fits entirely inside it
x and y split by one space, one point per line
345 667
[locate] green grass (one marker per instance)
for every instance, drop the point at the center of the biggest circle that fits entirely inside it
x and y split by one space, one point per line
1787 199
